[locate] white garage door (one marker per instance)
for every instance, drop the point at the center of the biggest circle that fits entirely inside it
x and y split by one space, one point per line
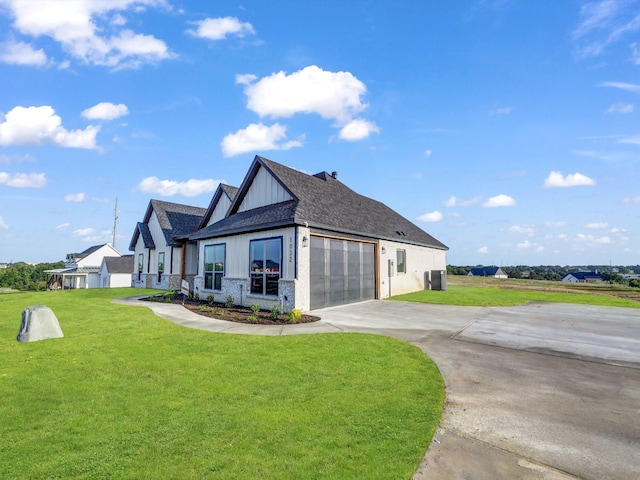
342 271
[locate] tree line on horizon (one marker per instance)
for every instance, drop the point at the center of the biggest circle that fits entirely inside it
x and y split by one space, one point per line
26 276
610 273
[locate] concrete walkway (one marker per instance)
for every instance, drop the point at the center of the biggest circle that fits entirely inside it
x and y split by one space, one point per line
542 391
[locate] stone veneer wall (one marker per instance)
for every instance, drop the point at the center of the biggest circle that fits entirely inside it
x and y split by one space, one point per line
287 294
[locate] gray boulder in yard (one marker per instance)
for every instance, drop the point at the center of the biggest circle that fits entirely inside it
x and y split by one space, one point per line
38 323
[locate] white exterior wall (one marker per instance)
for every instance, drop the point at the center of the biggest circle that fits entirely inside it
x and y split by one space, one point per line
134 275
418 261
95 258
265 190
221 209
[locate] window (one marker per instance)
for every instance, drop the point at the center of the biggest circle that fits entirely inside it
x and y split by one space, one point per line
265 259
401 261
140 265
214 266
160 266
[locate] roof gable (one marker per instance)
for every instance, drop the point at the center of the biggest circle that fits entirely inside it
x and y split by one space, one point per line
175 220
319 201
122 264
223 191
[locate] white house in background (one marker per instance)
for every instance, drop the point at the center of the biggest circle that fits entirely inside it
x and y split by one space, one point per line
493 272
583 277
81 270
307 242
163 255
116 271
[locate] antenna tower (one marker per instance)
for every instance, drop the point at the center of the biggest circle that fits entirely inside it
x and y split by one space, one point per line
115 223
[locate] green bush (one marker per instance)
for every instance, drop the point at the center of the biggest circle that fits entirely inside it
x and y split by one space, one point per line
255 308
210 299
276 311
228 301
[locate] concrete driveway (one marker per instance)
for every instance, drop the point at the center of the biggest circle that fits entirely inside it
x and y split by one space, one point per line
542 391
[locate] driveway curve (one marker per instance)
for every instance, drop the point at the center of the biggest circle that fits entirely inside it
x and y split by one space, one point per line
539 391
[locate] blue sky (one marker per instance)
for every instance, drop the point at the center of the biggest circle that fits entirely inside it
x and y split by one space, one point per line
507 129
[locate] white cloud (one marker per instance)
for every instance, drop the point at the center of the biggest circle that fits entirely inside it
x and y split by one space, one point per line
85 31
246 78
332 95
23 180
39 125
434 216
499 201
105 111
454 201
632 140
620 107
500 111
633 200
555 180
427 153
82 232
20 53
529 230
167 188
629 87
258 136
596 226
555 224
219 28
75 197
603 240
3 224
357 130
16 158
62 226
483 250
602 23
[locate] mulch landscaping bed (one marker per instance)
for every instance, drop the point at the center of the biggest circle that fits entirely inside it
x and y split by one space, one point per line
234 314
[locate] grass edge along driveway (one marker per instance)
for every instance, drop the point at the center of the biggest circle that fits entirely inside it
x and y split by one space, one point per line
126 394
493 296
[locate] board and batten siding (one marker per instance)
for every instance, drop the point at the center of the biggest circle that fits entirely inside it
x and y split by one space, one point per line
220 210
264 190
237 252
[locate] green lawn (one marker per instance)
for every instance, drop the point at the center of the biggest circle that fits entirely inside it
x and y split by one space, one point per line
493 296
126 394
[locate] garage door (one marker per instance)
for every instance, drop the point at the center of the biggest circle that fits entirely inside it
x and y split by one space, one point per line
342 271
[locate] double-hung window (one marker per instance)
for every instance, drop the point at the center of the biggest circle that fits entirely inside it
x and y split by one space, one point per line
160 266
265 261
401 261
214 266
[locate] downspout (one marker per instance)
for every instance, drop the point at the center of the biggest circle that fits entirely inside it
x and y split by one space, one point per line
183 261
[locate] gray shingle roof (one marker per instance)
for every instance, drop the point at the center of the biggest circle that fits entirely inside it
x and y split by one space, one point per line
222 189
175 219
321 202
122 264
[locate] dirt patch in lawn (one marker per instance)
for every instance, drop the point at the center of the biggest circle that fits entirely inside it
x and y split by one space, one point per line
235 313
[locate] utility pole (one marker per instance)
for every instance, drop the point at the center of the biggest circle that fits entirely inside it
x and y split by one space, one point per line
115 223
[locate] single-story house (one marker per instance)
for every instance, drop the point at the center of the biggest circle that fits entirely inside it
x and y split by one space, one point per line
116 271
308 241
583 277
494 272
81 270
163 255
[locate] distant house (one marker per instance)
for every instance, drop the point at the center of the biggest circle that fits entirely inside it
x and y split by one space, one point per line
81 270
494 272
116 271
163 254
583 277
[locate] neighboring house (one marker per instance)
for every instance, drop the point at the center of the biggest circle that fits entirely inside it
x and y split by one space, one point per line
163 255
494 272
307 242
81 270
116 271
583 277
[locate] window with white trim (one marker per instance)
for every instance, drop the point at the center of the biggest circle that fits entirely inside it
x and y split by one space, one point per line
160 266
140 265
401 260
